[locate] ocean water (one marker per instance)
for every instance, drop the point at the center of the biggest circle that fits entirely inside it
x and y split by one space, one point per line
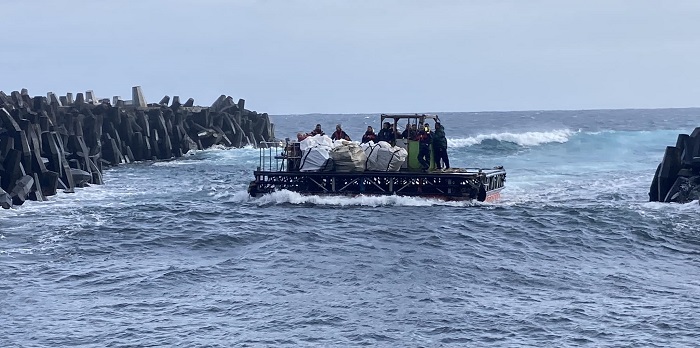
176 254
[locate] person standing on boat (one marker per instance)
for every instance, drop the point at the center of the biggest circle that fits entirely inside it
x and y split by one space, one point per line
440 146
425 138
369 135
411 132
406 132
339 134
317 131
386 134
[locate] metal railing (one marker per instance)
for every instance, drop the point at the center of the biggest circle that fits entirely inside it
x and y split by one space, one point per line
266 155
286 159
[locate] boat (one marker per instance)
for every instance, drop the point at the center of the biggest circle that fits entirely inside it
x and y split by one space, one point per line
281 168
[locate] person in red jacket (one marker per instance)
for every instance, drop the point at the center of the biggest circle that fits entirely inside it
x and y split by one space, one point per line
339 134
369 135
426 138
316 131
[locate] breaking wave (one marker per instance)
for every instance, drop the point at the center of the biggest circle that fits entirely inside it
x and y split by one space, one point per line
522 139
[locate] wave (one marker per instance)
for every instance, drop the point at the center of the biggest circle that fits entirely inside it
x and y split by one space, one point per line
522 139
289 197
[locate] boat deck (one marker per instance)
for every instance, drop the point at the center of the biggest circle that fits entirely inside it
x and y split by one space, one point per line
456 184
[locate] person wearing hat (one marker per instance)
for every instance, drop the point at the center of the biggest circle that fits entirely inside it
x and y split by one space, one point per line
317 131
339 134
425 138
440 146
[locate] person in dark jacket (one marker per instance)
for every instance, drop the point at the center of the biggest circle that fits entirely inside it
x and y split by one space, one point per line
316 131
339 134
369 135
404 134
386 134
411 132
425 137
440 147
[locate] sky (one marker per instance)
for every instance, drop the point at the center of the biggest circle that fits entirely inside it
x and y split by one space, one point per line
361 56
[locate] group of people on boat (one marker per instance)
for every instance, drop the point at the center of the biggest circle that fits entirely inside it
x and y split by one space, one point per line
385 134
339 133
424 136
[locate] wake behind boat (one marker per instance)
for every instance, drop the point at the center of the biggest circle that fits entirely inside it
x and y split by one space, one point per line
319 166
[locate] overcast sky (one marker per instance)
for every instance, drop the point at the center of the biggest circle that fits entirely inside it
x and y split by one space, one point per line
356 56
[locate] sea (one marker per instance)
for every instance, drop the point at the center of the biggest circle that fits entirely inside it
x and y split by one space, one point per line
176 254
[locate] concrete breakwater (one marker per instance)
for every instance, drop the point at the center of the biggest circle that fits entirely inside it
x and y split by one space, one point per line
59 143
677 178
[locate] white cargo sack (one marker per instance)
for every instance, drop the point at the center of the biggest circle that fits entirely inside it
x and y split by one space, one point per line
315 154
384 157
348 157
314 141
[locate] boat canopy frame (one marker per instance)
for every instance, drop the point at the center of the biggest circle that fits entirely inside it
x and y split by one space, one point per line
417 119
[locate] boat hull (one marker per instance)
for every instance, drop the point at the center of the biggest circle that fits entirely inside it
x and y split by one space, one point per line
480 185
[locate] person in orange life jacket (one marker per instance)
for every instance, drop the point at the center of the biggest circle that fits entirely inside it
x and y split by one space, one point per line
425 138
339 134
369 135
316 131
386 134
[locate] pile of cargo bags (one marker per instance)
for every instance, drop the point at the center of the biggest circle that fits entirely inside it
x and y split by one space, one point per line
320 153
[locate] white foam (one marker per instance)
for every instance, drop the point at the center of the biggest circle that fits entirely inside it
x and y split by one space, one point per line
690 207
566 190
284 196
219 147
214 154
174 163
522 139
23 251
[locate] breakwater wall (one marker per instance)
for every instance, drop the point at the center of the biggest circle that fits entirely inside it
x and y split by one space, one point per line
677 178
57 142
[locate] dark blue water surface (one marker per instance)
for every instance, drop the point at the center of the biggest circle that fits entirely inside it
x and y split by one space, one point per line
176 254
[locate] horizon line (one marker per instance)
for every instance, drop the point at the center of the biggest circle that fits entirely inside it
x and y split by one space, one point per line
482 111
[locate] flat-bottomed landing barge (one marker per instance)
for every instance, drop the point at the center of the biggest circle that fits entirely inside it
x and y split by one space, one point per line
280 170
